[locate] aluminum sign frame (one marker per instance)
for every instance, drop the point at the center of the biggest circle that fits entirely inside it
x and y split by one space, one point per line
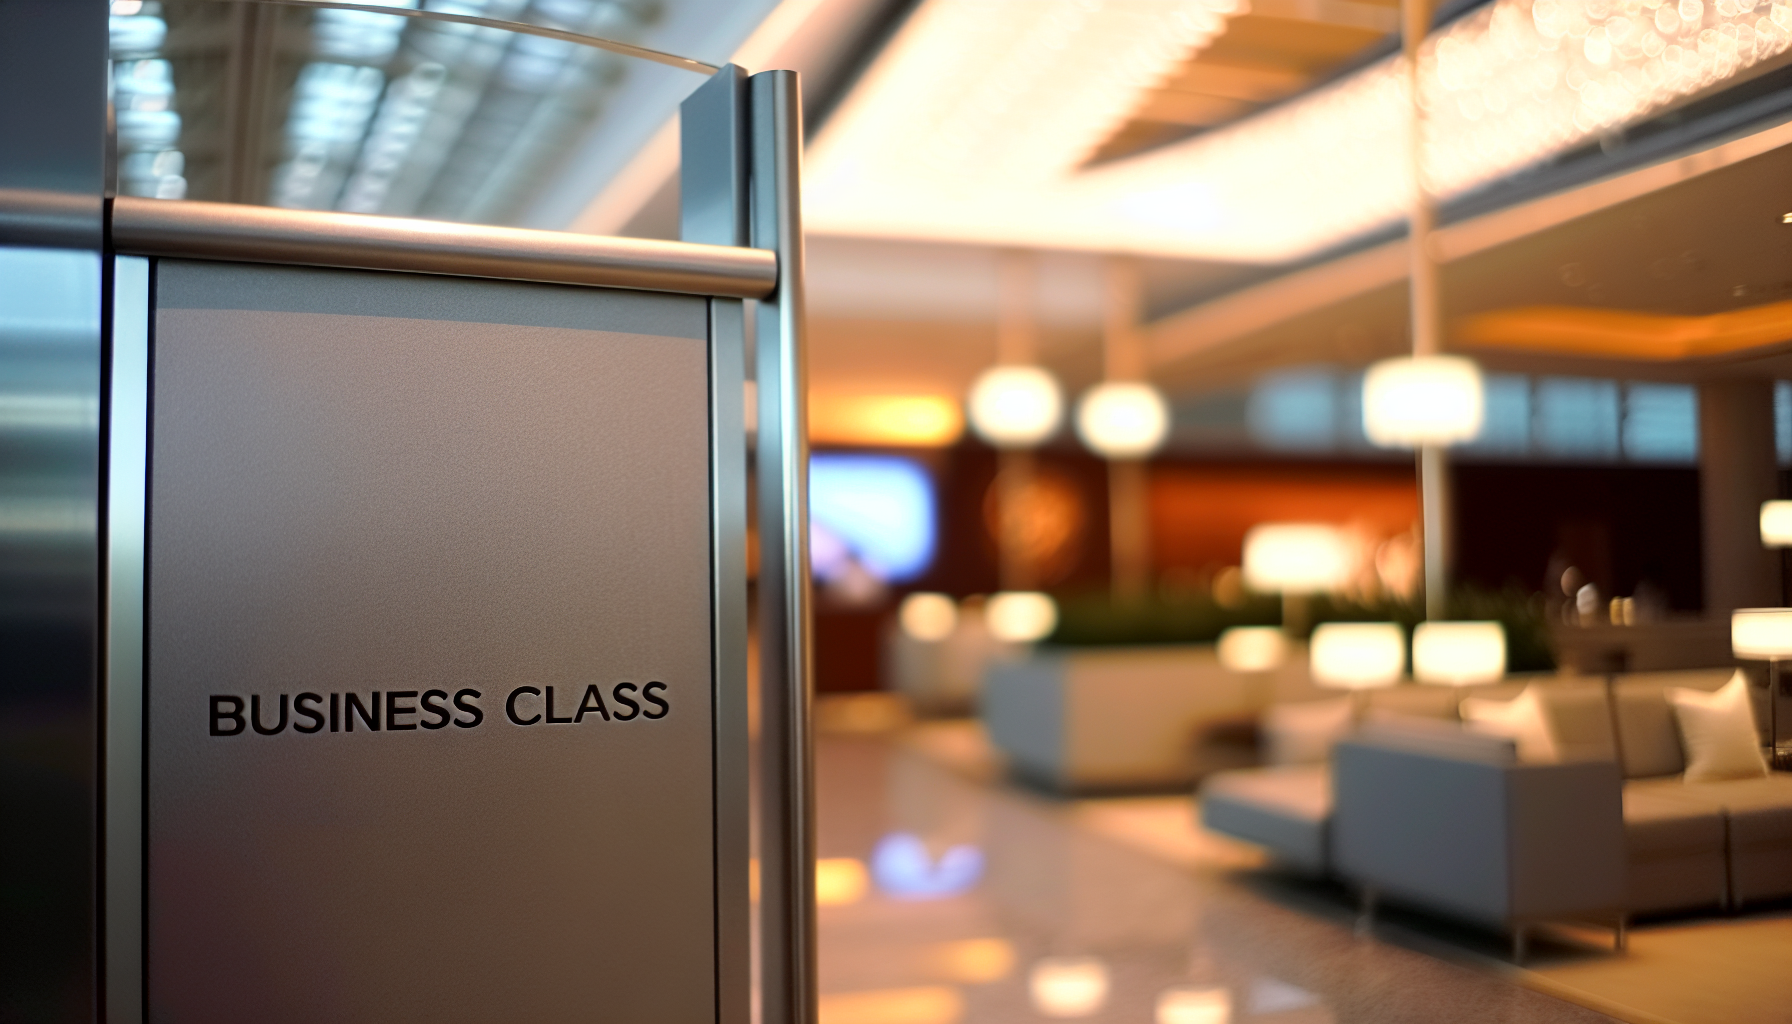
742 138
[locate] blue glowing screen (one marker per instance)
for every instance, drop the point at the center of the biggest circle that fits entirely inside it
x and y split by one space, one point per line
876 511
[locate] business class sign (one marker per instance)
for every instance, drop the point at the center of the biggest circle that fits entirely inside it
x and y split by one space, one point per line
430 661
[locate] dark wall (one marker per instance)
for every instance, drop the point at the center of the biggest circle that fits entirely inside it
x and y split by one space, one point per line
1619 525
848 640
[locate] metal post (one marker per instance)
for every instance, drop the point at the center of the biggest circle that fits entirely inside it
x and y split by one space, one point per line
1434 506
713 209
787 834
1426 302
1123 358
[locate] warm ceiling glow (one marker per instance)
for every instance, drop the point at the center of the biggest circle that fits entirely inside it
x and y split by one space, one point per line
1776 524
1021 616
1621 334
1358 655
929 618
1123 420
1015 406
840 881
1296 558
1068 986
1459 653
977 116
918 421
1423 400
1252 648
1761 633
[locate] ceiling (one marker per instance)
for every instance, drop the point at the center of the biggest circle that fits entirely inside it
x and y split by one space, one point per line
503 130
1699 235
1272 50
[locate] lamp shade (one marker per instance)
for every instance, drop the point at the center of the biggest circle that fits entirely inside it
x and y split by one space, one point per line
1015 406
1021 616
1776 524
1295 558
1358 655
1761 633
1423 400
1252 648
928 617
1120 420
1459 653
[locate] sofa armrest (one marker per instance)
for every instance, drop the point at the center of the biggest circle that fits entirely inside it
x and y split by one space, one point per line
1493 842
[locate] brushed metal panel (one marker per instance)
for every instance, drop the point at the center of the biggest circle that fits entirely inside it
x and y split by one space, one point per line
127 481
233 231
359 502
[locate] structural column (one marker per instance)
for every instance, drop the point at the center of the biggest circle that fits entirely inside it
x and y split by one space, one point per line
1738 471
1129 513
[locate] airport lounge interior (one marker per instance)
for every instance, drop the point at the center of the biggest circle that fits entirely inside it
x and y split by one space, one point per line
1203 511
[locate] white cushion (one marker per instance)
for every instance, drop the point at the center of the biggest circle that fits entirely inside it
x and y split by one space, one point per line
1718 732
1303 732
1520 720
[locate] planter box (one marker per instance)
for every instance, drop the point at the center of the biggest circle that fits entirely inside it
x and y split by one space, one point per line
1127 718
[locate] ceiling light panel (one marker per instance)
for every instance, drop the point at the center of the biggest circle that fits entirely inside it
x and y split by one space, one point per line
958 135
973 93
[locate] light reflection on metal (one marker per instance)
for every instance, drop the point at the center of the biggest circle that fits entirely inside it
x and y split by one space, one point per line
237 231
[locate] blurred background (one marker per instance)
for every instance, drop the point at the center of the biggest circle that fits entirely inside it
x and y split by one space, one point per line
1150 341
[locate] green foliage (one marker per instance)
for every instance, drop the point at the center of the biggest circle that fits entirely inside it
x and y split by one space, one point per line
1190 617
1527 630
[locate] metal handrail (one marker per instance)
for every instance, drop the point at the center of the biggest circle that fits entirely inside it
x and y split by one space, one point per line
264 234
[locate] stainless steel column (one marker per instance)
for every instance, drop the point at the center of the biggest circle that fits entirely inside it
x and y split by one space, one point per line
787 836
713 210
1738 471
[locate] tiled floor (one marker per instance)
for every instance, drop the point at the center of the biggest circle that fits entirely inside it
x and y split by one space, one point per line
948 899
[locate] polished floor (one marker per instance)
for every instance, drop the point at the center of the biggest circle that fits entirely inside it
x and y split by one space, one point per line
951 898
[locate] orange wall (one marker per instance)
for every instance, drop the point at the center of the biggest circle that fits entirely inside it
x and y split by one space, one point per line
1199 514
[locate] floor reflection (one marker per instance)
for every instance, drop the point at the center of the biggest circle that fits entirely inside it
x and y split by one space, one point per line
947 899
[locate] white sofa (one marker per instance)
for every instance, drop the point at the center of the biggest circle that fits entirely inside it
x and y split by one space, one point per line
1679 845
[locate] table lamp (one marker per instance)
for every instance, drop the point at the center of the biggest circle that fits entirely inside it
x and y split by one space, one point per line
1252 648
1296 560
1358 656
1776 524
1459 653
1765 634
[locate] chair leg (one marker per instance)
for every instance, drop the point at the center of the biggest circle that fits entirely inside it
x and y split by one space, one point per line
1520 943
1621 934
1366 899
